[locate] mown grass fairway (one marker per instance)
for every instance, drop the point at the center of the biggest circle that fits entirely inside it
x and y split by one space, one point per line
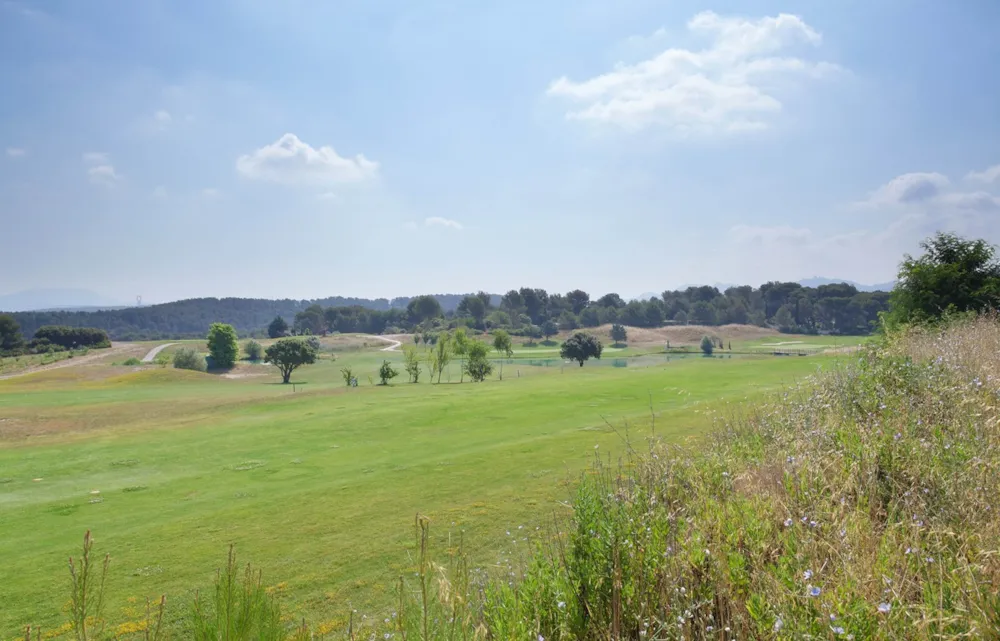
317 487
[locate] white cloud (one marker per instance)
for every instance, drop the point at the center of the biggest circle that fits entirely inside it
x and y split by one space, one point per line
210 192
975 201
437 221
15 152
328 196
103 175
291 161
726 87
990 175
908 189
160 192
163 117
95 157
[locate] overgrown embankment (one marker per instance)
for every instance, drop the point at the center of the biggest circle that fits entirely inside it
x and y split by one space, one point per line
859 505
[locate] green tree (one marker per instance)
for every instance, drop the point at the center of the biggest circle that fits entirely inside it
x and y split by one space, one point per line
288 354
423 308
278 328
503 346
387 372
784 319
412 360
707 346
311 320
10 334
478 366
618 333
441 355
348 374
953 275
460 347
474 307
222 345
581 347
549 329
578 299
253 350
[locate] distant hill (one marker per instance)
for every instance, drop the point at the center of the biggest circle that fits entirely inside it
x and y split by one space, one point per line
56 298
816 281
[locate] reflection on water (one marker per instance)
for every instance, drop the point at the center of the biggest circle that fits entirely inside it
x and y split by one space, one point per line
625 361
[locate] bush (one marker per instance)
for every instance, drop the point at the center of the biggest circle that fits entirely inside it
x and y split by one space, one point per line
386 372
477 365
130 362
253 350
72 337
187 358
707 346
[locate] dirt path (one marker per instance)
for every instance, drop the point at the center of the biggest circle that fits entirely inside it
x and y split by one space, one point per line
148 358
94 355
394 347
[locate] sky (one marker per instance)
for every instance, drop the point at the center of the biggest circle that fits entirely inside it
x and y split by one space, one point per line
306 148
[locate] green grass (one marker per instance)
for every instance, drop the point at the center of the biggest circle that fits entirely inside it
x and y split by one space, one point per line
319 486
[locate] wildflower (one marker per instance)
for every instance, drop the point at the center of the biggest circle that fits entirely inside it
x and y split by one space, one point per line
808 574
814 591
562 605
836 629
541 638
884 608
778 624
788 523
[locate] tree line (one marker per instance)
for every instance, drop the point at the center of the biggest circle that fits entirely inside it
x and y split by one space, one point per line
49 338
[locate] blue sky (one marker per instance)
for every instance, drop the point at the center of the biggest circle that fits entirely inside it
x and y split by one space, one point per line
304 148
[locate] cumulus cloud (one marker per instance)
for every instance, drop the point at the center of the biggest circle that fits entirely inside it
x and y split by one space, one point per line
15 152
908 189
103 175
291 161
726 87
991 175
437 221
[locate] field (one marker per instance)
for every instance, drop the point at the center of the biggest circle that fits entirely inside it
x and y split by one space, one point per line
319 486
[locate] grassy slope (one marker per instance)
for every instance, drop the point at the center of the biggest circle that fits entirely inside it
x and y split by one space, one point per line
336 474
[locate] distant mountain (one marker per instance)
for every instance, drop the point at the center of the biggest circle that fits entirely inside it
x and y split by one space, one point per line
56 298
816 281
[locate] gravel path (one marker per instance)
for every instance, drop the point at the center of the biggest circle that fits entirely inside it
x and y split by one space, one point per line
148 358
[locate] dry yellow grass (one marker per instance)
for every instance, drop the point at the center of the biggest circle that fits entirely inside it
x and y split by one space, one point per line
681 335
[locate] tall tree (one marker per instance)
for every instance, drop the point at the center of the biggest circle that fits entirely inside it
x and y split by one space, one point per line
578 299
441 355
10 334
423 308
504 347
222 345
412 361
277 328
512 303
473 307
618 333
610 300
311 320
288 354
549 329
953 275
460 347
581 347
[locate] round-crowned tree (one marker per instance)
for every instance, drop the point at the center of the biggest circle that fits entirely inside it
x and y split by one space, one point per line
288 354
581 347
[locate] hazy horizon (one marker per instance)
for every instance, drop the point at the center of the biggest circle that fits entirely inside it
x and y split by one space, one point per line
302 150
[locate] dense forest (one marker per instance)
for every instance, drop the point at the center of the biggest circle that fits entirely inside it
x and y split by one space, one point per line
789 307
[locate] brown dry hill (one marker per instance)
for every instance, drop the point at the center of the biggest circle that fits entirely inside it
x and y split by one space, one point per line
681 335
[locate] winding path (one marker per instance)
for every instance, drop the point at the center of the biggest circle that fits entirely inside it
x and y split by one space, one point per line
93 355
394 347
148 358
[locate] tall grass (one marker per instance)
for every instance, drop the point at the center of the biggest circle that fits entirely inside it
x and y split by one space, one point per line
858 505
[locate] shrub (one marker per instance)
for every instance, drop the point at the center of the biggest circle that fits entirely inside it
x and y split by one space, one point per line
348 375
130 362
707 346
386 372
253 350
72 337
187 358
241 608
288 354
477 365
